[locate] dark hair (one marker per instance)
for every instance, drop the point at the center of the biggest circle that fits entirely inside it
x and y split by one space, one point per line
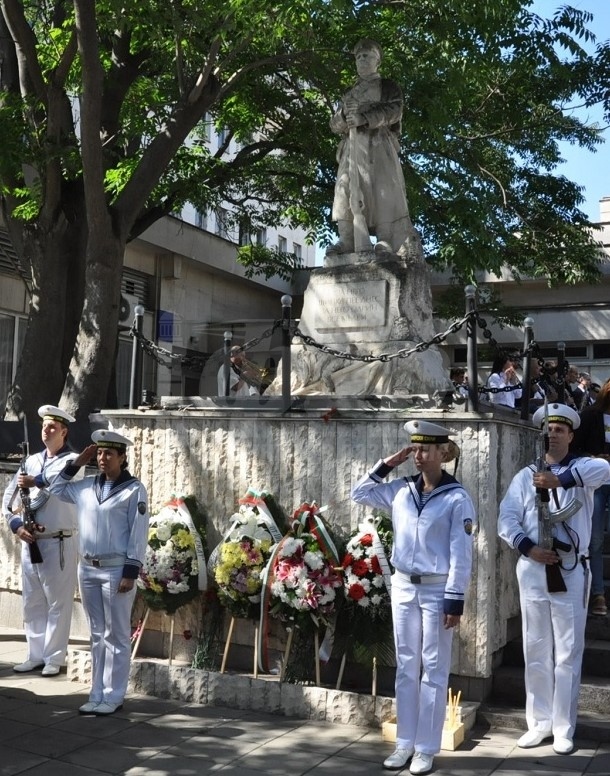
456 371
602 401
499 361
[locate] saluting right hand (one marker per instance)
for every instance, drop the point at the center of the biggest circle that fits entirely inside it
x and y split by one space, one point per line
399 457
85 456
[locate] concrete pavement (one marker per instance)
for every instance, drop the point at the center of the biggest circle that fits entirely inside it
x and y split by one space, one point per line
42 734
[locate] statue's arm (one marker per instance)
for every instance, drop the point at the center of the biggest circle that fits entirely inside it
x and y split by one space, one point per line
388 110
338 124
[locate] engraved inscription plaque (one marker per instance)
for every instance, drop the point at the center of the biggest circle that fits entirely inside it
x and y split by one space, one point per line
351 306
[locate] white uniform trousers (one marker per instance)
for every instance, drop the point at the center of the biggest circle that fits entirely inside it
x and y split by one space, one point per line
553 645
423 647
47 599
109 615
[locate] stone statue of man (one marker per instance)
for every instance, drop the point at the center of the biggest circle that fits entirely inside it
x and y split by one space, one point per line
370 193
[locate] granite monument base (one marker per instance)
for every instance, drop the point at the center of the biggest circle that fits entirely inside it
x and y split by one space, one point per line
366 306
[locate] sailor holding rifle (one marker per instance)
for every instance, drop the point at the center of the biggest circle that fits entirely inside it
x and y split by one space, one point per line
546 515
48 579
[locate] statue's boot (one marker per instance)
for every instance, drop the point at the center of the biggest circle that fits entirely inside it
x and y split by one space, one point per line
345 243
385 239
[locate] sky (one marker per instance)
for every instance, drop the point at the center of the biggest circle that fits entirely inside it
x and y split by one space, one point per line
588 169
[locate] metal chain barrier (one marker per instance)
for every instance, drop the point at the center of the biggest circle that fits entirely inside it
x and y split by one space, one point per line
167 359
384 357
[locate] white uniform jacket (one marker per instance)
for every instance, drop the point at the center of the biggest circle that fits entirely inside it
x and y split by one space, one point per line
433 539
111 527
503 398
50 511
518 519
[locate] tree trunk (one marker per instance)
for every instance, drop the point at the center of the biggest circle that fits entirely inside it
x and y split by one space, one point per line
86 385
40 375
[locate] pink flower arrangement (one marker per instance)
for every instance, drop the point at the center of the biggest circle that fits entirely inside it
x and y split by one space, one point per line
303 577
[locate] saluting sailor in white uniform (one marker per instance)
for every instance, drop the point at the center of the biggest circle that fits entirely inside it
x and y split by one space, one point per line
47 588
433 518
113 533
553 622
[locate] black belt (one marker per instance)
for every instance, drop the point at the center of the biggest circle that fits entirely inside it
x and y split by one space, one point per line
423 579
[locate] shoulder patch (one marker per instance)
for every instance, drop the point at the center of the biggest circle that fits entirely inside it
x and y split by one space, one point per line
142 507
468 526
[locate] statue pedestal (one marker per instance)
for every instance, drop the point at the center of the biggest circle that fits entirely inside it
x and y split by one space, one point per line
362 305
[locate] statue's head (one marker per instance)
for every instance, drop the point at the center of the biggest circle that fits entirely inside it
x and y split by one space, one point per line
368 56
367 44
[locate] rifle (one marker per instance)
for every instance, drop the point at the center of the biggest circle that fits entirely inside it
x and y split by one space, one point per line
362 241
554 580
29 514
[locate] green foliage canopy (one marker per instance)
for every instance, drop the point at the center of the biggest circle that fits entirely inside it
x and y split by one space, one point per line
489 89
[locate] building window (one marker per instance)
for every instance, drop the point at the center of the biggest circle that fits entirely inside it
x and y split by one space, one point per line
261 237
297 250
222 222
12 333
282 244
201 220
245 236
223 136
206 126
601 350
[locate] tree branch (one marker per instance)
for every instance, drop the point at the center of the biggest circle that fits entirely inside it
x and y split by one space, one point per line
30 74
93 81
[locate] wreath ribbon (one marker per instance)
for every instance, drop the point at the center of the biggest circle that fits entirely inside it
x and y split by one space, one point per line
369 526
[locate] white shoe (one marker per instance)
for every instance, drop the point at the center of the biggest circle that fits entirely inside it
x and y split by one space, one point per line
50 670
29 665
533 738
89 707
421 763
398 759
103 709
563 745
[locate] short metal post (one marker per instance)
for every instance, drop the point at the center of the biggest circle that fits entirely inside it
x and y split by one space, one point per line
471 350
561 368
286 366
228 336
527 369
135 382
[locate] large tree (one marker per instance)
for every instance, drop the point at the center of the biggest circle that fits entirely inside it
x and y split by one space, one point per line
102 114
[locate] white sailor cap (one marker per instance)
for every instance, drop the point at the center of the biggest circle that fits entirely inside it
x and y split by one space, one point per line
558 413
424 432
106 438
55 413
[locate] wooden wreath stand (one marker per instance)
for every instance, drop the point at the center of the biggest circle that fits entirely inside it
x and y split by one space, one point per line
225 654
316 646
136 645
342 669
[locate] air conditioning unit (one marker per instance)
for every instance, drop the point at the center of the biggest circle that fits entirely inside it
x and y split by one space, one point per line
127 308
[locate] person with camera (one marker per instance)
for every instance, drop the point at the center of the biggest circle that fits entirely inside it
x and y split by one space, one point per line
504 381
48 586
244 377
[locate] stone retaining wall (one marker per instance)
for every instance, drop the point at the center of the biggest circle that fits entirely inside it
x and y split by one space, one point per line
302 456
